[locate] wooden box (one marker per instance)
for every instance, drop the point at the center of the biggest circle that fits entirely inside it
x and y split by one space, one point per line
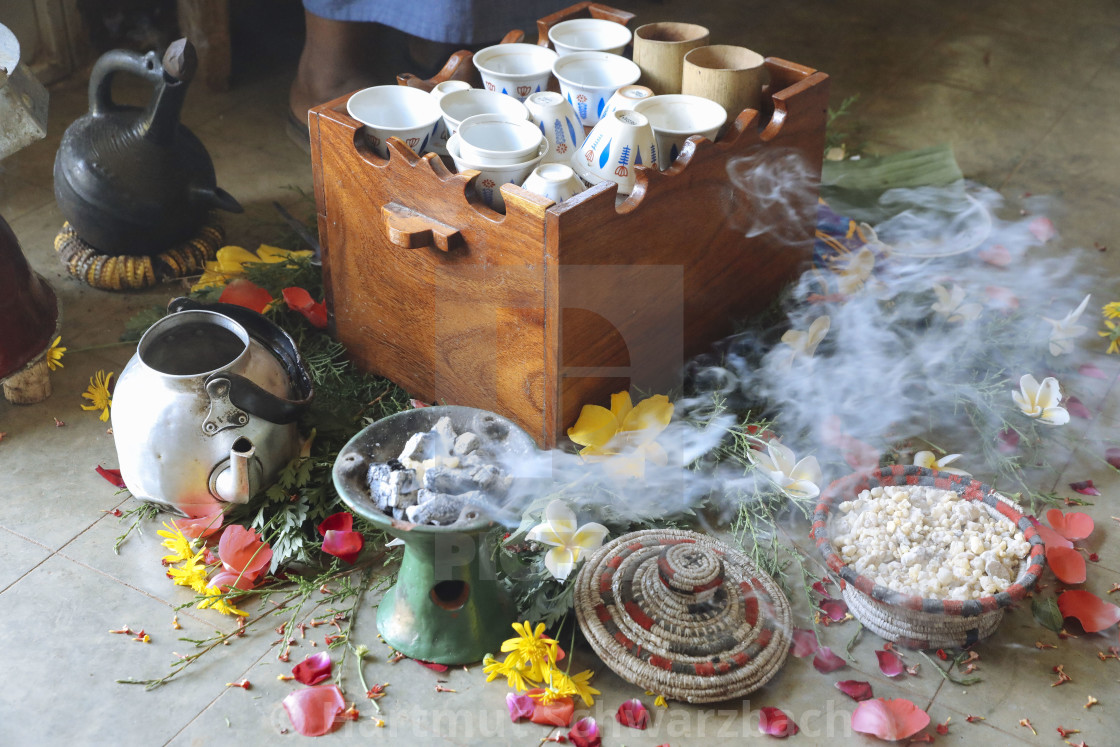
536 312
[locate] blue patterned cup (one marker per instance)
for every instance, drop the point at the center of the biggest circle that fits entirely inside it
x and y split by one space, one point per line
589 79
618 144
515 69
558 122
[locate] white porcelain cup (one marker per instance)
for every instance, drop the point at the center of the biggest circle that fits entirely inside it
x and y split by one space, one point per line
558 123
618 144
589 35
458 105
677 117
496 139
627 97
589 79
491 178
440 133
395 111
556 181
515 69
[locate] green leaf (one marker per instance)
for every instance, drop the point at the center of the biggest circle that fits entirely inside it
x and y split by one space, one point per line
1047 614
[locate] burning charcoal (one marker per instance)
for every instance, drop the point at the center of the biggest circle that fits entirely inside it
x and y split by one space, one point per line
445 435
439 508
395 464
488 478
420 446
402 487
466 443
450 481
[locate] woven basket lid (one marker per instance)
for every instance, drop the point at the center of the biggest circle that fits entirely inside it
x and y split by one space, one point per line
683 615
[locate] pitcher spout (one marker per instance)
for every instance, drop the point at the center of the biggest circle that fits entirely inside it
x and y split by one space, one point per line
234 484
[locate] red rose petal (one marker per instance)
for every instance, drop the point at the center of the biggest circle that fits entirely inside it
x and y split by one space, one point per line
242 551
1091 611
1008 441
344 545
633 713
314 669
1001 298
298 299
1077 408
313 710
804 642
1042 229
226 580
1067 564
825 661
996 255
1073 525
112 475
585 733
776 723
1088 369
1085 487
200 526
1051 538
855 689
889 719
1112 456
343 521
889 663
432 665
819 587
242 292
834 608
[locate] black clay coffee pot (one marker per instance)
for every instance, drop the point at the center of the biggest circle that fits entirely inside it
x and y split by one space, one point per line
131 180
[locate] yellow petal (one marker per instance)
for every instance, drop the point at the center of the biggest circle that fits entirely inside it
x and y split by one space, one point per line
594 427
652 413
621 405
268 253
230 258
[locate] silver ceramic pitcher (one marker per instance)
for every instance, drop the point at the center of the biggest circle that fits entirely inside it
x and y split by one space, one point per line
205 412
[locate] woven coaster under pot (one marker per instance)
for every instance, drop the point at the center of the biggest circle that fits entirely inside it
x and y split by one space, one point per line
683 615
910 620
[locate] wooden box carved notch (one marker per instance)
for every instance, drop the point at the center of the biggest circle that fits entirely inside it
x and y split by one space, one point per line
536 312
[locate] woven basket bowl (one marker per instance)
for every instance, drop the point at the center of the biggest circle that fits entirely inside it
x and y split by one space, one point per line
913 621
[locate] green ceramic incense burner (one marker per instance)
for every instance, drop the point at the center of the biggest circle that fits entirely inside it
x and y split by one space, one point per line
447 605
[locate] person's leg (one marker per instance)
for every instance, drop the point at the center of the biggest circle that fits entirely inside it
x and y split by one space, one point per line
338 57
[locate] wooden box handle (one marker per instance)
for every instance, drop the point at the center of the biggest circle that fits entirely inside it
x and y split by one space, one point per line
410 229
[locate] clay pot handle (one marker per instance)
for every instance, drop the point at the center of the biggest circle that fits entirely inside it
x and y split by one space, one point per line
146 66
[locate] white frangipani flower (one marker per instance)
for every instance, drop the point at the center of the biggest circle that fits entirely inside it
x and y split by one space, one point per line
568 542
806 342
795 479
929 461
1041 401
856 271
1066 330
950 304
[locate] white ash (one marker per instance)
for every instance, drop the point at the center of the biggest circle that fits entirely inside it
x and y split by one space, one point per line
440 477
929 542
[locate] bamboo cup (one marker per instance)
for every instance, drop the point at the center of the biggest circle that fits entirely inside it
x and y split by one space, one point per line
659 50
730 76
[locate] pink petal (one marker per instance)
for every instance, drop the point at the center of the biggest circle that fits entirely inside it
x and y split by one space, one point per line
819 587
996 255
314 669
226 580
1001 298
889 663
585 733
776 723
344 545
200 526
1085 487
1077 408
432 665
1073 525
1088 369
112 475
855 689
1008 441
1091 611
313 709
343 521
242 551
825 661
1049 537
1042 229
520 706
834 608
889 719
417 404
1067 564
1112 456
804 642
633 713
242 292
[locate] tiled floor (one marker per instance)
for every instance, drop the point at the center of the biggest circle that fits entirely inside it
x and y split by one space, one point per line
1026 93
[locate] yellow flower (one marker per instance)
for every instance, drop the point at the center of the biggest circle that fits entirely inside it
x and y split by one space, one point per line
1111 310
98 394
531 653
495 669
190 573
215 601
659 701
54 354
179 545
576 684
627 433
231 261
1113 336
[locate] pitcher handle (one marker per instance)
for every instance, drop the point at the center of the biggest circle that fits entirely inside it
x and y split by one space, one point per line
146 66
